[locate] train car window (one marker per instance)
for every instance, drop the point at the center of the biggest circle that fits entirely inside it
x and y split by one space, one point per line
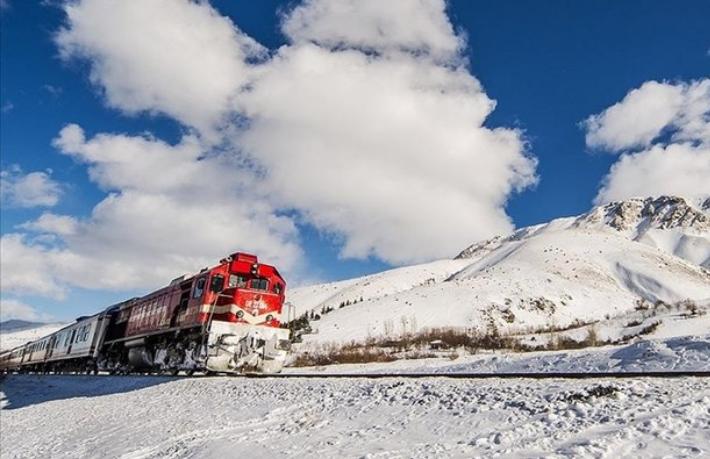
235 280
259 284
84 333
278 288
199 287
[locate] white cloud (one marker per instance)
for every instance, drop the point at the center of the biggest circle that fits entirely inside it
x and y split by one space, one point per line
637 119
14 309
170 209
35 189
669 126
419 26
25 269
176 57
676 169
373 133
390 153
48 222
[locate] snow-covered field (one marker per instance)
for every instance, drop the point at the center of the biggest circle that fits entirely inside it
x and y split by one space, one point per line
141 417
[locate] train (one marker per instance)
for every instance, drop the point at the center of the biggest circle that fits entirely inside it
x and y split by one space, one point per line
224 319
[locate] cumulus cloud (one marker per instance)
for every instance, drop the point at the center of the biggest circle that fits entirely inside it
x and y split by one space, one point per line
419 26
637 119
371 125
169 210
48 222
14 309
662 132
648 111
34 189
367 124
24 268
389 153
676 169
177 57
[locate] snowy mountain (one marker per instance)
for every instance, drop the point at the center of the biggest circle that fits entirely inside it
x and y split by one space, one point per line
13 325
639 260
14 333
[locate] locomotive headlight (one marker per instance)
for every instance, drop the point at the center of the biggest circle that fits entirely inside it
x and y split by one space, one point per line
269 318
240 314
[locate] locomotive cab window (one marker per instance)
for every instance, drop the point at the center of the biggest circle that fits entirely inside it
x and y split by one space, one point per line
199 288
278 288
259 284
236 280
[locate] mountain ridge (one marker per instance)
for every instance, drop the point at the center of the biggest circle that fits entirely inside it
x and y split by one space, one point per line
579 269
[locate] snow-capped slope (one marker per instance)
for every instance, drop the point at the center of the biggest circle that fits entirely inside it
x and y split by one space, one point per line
604 264
668 223
379 285
10 339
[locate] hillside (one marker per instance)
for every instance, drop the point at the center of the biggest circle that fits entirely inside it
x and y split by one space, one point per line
20 333
14 325
623 265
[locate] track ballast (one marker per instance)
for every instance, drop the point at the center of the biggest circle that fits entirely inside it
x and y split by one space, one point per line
547 375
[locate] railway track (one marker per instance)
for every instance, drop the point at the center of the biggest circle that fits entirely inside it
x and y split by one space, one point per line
560 375
556 375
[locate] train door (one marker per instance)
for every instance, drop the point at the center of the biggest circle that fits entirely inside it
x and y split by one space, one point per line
71 340
181 309
50 347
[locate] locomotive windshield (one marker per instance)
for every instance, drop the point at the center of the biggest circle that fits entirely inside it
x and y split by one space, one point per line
242 281
258 284
237 280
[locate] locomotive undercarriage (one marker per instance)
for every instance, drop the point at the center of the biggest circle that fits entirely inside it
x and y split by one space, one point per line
227 348
160 354
78 366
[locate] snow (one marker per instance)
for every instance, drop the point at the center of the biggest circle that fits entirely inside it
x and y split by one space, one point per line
587 272
146 417
12 339
687 353
590 268
373 286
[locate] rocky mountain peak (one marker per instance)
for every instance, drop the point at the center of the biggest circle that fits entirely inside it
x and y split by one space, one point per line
480 248
634 216
663 212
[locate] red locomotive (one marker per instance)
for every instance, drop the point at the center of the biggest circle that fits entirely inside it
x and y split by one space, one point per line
223 319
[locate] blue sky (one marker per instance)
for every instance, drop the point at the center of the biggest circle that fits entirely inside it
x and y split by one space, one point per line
548 65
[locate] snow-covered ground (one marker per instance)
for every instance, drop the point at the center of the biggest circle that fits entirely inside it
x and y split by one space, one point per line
146 417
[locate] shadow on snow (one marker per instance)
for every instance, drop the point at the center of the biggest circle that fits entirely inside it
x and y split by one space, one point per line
18 391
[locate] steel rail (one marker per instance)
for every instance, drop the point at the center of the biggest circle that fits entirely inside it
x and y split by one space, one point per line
517 375
550 375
